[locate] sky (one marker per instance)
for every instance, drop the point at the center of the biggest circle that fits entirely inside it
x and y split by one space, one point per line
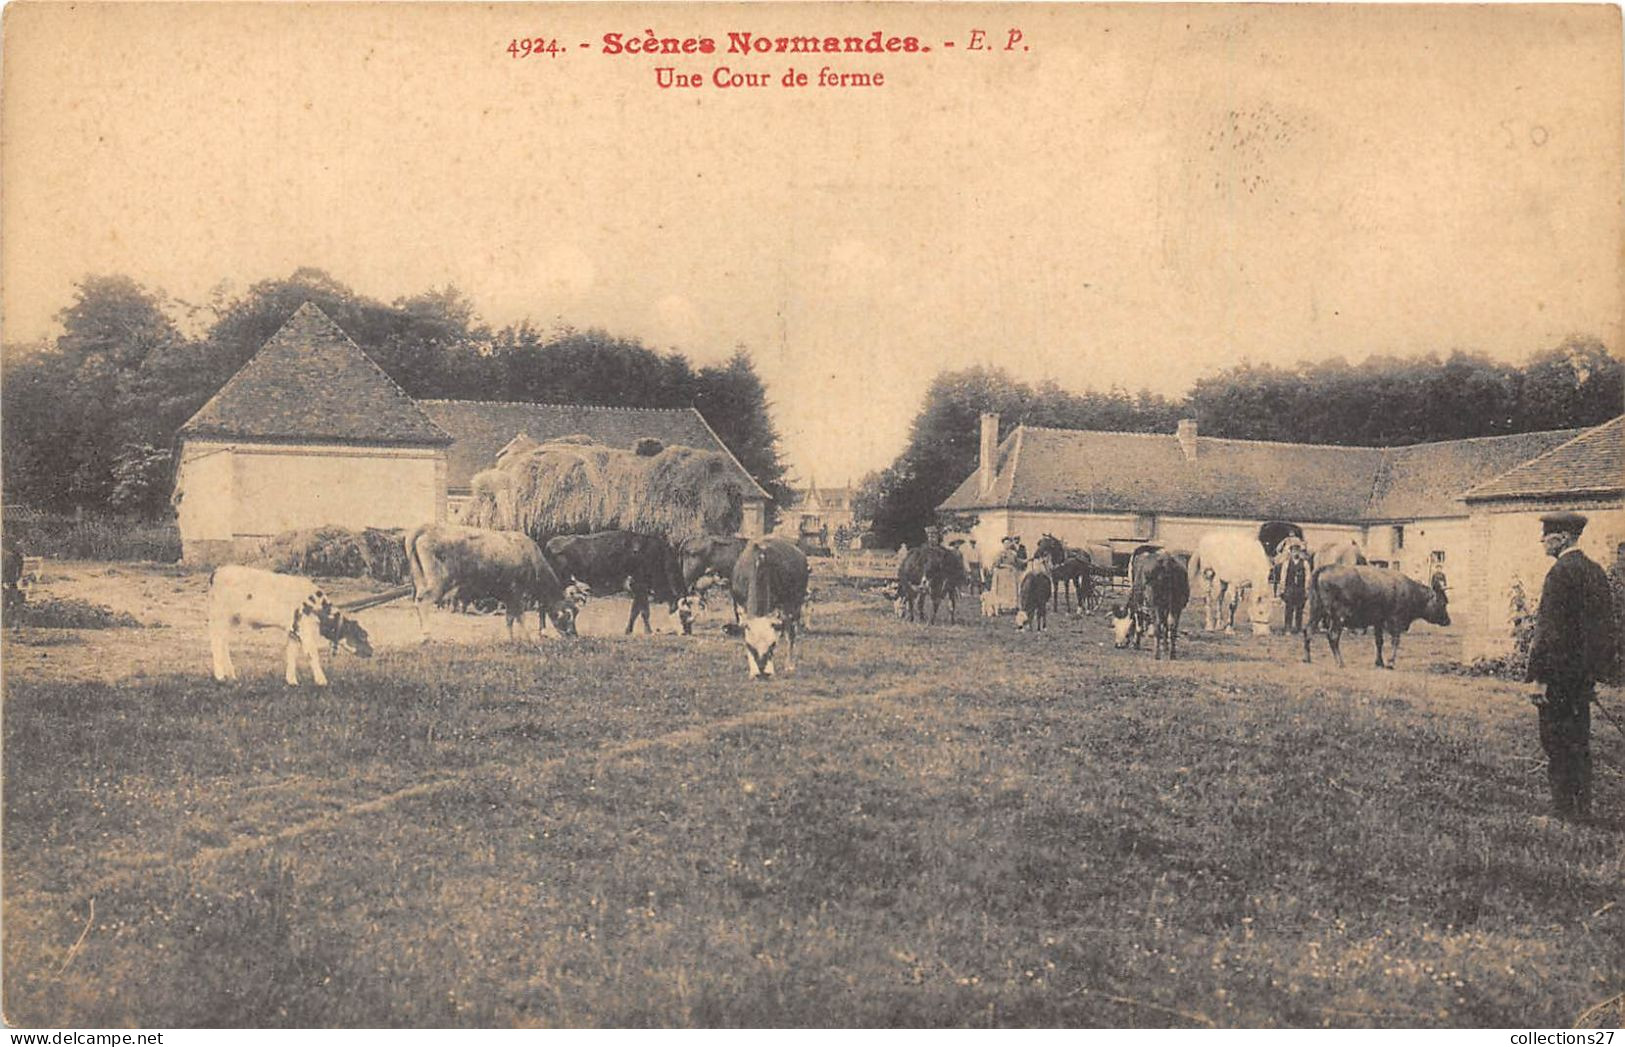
1132 195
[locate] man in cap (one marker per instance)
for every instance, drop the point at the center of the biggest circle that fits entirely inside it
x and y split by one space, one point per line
1573 648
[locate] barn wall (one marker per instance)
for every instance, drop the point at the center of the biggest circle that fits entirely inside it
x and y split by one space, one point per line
204 492
1506 539
754 524
1179 532
287 487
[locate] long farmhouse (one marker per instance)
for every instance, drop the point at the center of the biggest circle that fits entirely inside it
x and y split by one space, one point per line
1468 508
312 432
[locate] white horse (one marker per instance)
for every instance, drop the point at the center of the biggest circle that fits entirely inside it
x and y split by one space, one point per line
1225 564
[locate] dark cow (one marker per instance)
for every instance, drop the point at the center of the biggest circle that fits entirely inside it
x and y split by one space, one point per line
1034 597
448 561
607 562
707 559
1352 596
1167 583
769 580
1070 569
934 571
14 597
944 575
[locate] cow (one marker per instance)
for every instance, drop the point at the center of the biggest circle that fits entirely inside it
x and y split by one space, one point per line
1070 570
13 581
1132 620
944 574
450 561
911 584
1167 583
1339 551
259 599
612 561
1034 596
769 580
1225 565
706 560
1344 596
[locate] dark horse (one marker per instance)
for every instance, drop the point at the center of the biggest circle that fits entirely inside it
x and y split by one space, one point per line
1067 565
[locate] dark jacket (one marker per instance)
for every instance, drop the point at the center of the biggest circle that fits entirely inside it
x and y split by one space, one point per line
1574 642
1295 580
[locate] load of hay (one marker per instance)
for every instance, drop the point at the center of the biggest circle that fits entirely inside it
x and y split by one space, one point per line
338 552
571 485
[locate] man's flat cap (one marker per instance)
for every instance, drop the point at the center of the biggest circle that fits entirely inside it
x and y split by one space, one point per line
1570 523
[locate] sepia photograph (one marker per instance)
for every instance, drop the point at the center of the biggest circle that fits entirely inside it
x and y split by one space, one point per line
855 515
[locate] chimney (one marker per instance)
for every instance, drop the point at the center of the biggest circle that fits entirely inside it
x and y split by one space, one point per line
989 451
1187 438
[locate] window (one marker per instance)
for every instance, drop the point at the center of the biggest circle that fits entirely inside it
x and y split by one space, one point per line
1397 540
1145 525
1436 559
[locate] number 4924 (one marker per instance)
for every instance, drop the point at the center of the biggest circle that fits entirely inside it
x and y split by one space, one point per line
531 46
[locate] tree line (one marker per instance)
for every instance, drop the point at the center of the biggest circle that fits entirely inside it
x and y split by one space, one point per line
1384 401
88 419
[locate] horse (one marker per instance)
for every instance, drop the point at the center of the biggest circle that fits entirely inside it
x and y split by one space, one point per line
1066 566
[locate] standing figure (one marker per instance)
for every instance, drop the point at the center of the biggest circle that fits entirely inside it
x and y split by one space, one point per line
1295 588
1573 648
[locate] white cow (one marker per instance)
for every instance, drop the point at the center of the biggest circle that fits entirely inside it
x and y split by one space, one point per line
1226 564
248 596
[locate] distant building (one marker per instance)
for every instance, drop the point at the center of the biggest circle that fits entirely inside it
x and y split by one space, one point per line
1408 507
819 510
312 432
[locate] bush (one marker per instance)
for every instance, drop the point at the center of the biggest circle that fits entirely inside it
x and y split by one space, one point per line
76 614
62 536
337 552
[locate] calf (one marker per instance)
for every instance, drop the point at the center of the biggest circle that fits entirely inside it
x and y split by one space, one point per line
1034 597
770 582
248 596
1351 596
449 561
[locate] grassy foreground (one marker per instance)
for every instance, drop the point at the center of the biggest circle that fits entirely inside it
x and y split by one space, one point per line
958 826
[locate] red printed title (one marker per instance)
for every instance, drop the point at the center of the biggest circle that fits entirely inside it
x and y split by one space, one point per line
870 43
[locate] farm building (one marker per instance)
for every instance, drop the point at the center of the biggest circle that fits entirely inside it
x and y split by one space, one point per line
818 513
1587 475
312 432
1407 507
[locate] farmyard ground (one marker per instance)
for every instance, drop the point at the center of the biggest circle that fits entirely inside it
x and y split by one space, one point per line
958 826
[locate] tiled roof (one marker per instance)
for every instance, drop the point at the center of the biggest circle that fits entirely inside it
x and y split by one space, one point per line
309 382
1429 479
480 429
1591 463
1091 471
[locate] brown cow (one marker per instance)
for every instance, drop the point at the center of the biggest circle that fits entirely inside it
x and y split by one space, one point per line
449 561
1359 596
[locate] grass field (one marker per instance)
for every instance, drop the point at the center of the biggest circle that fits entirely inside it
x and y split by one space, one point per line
950 826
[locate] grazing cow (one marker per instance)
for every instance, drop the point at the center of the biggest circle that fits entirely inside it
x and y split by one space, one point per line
14 598
449 561
1167 581
1070 570
1037 588
1346 596
1224 566
249 596
707 560
1132 620
614 561
770 581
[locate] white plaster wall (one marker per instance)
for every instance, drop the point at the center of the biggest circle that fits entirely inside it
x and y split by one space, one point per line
285 487
204 486
1512 552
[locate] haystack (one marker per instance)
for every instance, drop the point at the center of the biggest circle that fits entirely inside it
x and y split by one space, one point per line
568 486
338 552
